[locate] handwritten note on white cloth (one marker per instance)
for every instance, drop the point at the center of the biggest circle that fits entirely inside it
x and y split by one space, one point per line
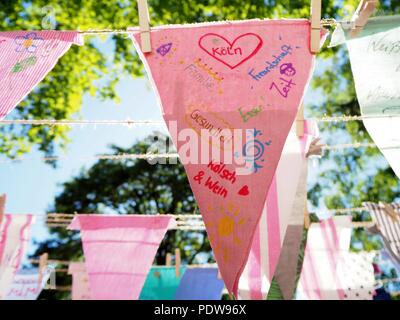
375 62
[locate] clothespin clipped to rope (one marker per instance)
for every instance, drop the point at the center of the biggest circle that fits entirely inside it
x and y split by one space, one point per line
315 39
144 26
390 211
315 149
307 220
300 121
3 199
168 260
178 262
362 14
42 266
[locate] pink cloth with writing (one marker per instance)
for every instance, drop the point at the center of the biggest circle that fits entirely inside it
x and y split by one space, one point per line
26 57
268 238
80 281
14 238
119 252
241 83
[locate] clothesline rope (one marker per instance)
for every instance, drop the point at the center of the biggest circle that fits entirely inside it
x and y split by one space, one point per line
129 122
152 156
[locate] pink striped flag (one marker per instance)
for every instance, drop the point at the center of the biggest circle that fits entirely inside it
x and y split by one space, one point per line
268 238
119 252
26 57
80 281
229 93
328 243
14 238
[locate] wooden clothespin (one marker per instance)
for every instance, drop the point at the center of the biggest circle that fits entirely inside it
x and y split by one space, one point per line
178 262
219 275
315 40
42 266
300 121
168 259
307 220
144 26
362 14
3 199
390 211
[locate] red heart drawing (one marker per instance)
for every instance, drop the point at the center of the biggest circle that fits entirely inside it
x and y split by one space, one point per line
244 191
231 54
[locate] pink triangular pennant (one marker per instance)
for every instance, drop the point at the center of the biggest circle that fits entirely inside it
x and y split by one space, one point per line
119 252
26 57
14 238
239 84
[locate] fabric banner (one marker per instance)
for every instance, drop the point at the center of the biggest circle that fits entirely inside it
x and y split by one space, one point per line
327 244
375 62
14 239
119 251
229 94
279 216
26 57
200 284
161 283
80 281
388 227
27 285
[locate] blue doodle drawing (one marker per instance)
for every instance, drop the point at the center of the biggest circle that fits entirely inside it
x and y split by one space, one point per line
164 49
253 150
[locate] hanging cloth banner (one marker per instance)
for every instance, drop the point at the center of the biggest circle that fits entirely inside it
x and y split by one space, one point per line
279 216
80 281
27 285
375 62
119 252
327 243
388 227
161 283
229 93
14 239
200 284
26 57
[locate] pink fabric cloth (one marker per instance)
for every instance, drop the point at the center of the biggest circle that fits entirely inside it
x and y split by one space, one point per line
328 243
26 57
14 238
270 233
80 281
119 252
215 78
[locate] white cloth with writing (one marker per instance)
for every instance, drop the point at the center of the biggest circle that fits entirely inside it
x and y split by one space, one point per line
375 62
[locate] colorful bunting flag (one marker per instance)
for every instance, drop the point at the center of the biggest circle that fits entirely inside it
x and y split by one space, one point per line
119 252
27 285
229 93
161 283
387 226
327 244
14 238
375 62
200 284
26 57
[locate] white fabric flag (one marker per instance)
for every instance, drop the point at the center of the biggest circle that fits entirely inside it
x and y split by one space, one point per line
375 62
27 285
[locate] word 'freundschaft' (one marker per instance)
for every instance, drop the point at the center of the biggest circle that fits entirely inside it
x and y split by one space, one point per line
285 50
